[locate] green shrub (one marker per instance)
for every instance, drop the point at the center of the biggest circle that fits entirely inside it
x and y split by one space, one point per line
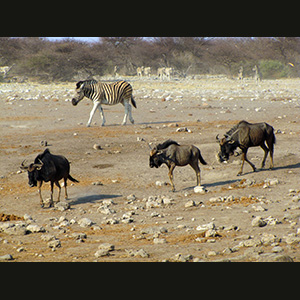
272 69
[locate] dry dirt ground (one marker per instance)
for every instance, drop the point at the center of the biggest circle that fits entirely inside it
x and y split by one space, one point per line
31 113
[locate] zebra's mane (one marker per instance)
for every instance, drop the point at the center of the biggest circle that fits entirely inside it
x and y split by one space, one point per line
86 82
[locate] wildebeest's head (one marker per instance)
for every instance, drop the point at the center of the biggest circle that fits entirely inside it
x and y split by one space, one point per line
33 172
227 147
155 159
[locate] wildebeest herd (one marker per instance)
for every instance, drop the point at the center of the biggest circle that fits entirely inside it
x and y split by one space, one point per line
48 167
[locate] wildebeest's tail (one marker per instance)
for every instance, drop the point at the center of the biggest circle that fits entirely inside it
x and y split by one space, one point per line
133 102
203 162
270 134
72 179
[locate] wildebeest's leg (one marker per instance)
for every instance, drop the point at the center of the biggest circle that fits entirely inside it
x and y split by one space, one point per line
171 169
244 158
195 166
59 190
65 184
40 193
102 115
264 147
92 114
51 195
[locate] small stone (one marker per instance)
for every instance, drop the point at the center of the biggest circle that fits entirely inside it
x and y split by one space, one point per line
35 228
131 197
54 244
159 241
62 206
200 189
101 253
258 222
106 247
48 237
277 249
6 257
141 253
85 222
259 208
97 147
190 203
160 183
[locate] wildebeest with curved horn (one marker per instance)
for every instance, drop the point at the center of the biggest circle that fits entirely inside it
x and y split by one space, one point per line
245 135
48 167
173 154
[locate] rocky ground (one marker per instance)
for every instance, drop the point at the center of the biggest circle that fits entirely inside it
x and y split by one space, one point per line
124 211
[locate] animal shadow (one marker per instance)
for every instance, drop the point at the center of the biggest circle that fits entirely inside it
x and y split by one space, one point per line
92 198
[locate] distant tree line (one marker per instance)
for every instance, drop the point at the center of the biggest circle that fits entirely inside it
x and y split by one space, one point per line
68 59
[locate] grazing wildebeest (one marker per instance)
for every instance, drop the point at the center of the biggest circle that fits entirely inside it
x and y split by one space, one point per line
48 167
173 154
245 135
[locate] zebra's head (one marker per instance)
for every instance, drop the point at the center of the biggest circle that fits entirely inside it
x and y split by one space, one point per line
82 89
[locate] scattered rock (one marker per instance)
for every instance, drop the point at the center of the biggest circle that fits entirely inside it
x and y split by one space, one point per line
200 190
159 241
107 247
62 206
190 203
97 147
160 183
101 253
85 222
135 253
181 258
33 228
183 129
6 257
258 222
258 208
54 244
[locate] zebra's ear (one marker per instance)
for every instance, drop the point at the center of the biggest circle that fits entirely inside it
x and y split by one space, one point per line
79 84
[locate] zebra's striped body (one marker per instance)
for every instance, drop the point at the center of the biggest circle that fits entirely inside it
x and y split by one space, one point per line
105 93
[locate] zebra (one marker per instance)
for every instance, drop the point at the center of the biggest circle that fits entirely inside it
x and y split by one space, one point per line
105 93
257 74
241 73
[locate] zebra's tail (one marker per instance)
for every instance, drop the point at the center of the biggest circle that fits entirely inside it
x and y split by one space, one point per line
133 102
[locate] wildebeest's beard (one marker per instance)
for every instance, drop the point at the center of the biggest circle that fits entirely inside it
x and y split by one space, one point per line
227 150
155 161
32 181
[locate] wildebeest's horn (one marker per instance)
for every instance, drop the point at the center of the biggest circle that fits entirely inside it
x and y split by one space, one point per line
217 138
149 146
23 167
39 166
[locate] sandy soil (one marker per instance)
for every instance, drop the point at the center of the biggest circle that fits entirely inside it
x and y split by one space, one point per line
31 113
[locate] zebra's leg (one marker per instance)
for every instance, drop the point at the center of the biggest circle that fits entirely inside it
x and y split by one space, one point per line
130 115
102 115
92 114
126 105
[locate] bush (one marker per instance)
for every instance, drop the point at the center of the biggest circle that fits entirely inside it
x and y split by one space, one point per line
272 69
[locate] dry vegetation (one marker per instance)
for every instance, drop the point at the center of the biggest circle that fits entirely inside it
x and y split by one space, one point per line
66 60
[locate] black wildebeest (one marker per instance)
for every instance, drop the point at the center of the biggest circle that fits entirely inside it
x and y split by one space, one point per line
245 135
173 154
48 167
